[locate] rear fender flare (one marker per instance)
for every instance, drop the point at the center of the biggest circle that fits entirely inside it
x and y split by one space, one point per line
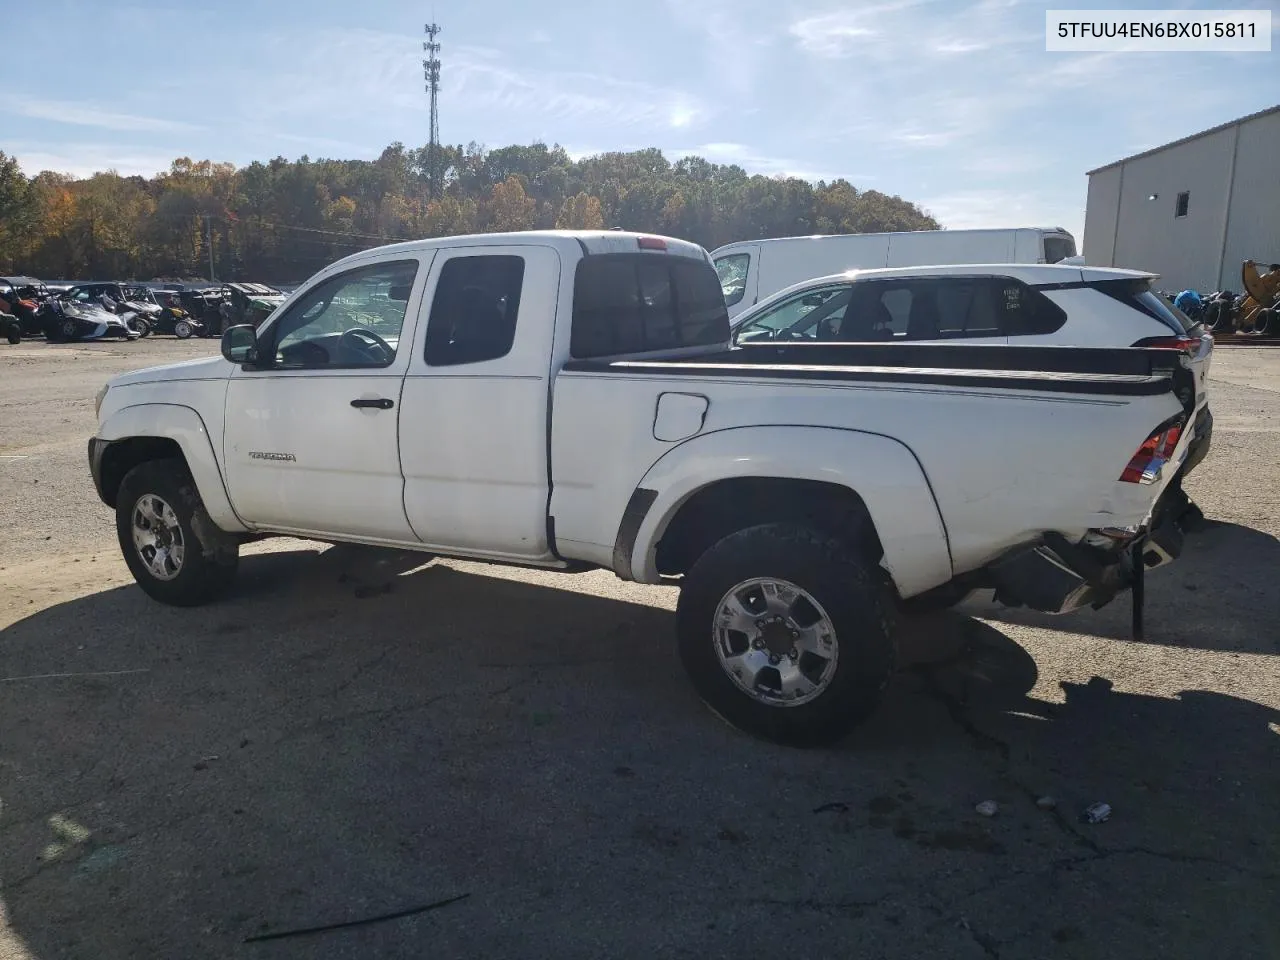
184 426
881 470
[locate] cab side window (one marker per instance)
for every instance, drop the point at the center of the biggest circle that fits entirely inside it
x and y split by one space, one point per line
813 315
474 310
350 320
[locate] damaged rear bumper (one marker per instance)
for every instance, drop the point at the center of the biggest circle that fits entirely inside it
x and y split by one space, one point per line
1056 576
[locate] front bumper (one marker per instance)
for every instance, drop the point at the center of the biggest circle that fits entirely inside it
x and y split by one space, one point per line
96 449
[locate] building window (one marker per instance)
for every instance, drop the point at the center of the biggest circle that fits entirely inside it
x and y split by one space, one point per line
1184 200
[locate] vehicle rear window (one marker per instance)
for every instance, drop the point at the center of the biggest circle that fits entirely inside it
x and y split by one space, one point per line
633 303
1058 248
1137 294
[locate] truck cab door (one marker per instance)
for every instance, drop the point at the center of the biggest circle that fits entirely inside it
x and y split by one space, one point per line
310 441
474 418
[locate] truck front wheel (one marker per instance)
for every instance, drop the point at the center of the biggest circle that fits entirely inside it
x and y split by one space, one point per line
786 634
173 549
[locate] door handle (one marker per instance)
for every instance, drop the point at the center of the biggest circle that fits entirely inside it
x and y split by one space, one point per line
377 403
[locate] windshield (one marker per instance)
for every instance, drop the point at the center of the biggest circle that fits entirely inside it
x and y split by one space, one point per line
1059 247
732 271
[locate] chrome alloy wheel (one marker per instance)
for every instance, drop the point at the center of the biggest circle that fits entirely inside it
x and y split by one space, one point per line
157 536
775 642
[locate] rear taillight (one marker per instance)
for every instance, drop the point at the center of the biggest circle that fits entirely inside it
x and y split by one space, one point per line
1145 465
1188 345
651 243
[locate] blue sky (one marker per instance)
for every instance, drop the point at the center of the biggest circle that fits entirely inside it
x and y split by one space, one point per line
955 105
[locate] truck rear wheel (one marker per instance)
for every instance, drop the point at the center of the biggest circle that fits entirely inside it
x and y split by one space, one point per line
786 634
174 550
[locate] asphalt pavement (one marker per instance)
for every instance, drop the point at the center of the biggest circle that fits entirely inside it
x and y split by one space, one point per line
362 754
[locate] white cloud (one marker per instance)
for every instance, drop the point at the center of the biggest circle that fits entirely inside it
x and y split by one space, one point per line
86 159
85 114
478 76
959 46
844 32
753 161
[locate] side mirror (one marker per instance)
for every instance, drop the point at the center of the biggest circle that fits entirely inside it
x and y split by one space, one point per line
240 344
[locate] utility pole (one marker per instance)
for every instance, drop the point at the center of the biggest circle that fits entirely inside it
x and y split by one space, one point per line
431 74
208 232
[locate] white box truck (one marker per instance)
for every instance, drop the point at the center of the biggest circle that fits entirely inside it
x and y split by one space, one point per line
754 269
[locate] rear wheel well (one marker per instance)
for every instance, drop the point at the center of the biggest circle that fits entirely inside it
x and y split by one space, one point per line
121 456
727 506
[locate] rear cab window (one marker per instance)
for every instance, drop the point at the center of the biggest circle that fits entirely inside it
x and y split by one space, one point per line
635 303
732 271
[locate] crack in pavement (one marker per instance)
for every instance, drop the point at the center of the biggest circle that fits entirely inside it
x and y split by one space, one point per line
990 945
852 909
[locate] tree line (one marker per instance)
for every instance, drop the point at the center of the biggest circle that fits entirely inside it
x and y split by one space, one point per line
282 220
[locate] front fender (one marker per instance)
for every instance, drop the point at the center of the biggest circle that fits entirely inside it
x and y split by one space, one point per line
882 471
185 427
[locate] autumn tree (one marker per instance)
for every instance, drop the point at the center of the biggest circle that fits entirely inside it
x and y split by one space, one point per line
509 207
580 212
283 219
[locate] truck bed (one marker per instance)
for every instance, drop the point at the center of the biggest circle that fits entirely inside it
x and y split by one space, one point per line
964 450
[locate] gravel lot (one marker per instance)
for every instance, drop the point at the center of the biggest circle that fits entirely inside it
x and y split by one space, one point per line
353 734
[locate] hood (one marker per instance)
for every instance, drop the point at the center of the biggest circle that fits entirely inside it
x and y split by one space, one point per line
206 368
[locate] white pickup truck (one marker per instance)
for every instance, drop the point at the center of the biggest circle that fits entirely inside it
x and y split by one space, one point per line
570 400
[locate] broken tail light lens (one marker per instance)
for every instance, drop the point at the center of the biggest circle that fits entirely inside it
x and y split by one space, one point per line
1145 465
1188 345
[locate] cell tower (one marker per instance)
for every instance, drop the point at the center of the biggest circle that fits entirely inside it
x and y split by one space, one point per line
431 74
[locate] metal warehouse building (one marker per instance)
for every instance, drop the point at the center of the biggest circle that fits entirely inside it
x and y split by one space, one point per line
1192 211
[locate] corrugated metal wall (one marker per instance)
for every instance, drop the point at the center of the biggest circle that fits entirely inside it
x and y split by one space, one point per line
1103 204
1232 178
1253 228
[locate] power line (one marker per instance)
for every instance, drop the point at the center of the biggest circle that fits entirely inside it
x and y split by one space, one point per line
332 233
274 225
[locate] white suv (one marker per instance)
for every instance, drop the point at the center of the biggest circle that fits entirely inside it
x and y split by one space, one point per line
1015 304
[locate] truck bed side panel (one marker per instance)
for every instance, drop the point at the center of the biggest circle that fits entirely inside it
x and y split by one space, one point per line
1005 463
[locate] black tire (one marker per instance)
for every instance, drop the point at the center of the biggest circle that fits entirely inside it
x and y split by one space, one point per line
182 329
210 556
143 327
847 588
13 335
1224 319
1265 323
